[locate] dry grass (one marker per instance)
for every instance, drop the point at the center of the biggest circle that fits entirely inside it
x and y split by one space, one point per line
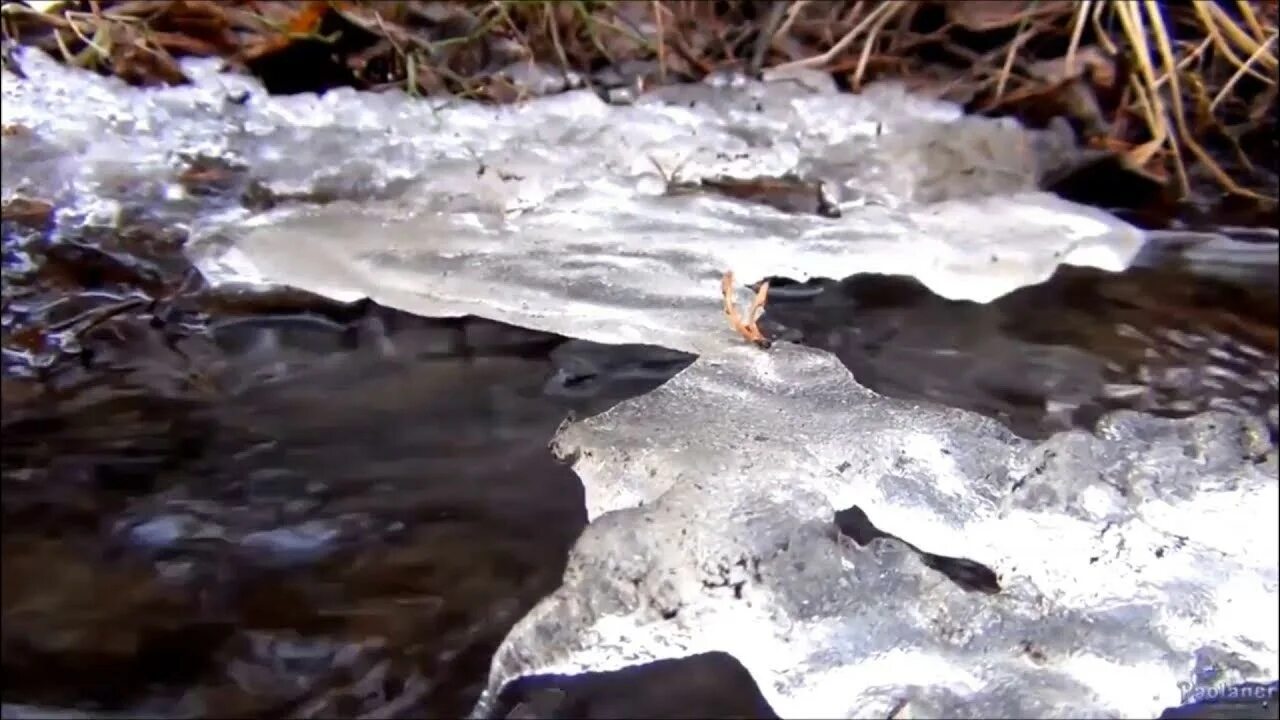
1185 92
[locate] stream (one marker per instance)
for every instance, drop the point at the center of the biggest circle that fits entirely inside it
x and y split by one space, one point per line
224 502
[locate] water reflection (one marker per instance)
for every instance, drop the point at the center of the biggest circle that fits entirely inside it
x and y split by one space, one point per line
1053 356
289 514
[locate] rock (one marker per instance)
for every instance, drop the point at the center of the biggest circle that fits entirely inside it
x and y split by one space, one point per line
711 685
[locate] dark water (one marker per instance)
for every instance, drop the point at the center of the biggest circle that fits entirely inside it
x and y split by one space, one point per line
236 506
304 527
1159 337
219 504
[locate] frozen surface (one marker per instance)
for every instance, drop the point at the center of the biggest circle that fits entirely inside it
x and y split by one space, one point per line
561 206
561 201
1128 560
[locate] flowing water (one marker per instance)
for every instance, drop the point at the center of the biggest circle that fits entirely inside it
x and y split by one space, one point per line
257 505
272 505
1161 338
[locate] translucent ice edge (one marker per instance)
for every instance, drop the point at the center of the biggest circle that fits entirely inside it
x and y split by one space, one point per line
552 213
553 216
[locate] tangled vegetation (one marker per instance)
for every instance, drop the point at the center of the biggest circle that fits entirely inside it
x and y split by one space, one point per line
1183 93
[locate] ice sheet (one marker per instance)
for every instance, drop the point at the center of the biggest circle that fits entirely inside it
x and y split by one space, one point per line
1132 562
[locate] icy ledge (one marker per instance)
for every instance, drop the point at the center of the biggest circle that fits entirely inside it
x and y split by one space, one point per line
647 270
555 217
1130 562
554 214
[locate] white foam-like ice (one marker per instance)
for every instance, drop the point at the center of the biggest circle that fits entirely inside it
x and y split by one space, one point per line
560 200
1118 556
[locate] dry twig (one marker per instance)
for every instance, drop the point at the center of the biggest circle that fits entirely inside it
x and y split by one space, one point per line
745 326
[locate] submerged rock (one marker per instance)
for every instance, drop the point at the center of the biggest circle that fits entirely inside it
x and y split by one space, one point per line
710 685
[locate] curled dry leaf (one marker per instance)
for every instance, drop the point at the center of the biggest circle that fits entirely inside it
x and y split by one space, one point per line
301 21
1090 59
27 212
746 327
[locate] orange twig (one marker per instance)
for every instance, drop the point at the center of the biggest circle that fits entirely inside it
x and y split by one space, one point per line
747 327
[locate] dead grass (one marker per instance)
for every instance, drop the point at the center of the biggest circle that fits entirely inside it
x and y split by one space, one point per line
1184 92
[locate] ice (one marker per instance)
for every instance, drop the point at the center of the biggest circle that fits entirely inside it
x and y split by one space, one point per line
1122 556
473 195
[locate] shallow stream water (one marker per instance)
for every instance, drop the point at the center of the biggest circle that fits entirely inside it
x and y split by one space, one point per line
1159 338
229 504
